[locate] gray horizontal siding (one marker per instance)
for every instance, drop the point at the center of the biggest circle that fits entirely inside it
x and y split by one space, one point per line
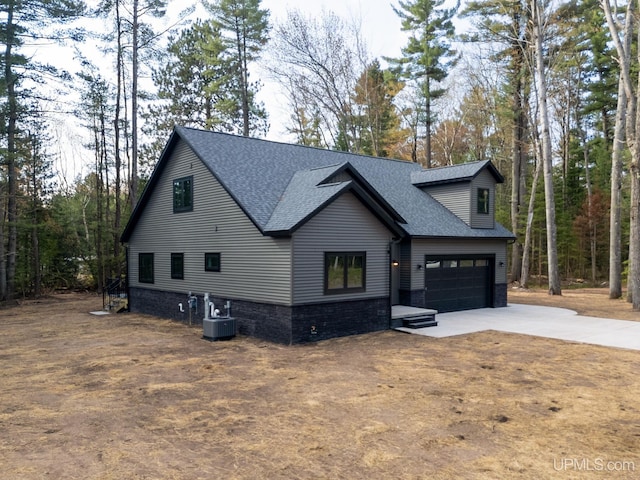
422 247
454 196
253 267
406 265
344 225
483 180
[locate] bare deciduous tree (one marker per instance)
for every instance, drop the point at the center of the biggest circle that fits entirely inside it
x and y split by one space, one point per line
319 62
623 47
545 143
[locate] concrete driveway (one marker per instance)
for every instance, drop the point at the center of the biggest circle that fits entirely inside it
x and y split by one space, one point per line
548 322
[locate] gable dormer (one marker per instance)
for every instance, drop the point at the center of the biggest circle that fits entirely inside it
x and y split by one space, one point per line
310 191
467 190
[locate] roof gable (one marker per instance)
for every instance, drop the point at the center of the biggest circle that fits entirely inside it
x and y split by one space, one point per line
153 180
279 186
311 190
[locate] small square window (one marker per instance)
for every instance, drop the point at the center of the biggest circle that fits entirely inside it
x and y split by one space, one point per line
145 267
183 194
483 201
345 272
212 262
177 266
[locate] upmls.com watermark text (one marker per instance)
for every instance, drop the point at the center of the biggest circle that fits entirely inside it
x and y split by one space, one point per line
593 465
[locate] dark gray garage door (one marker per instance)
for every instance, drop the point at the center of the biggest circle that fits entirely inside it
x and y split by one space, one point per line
458 283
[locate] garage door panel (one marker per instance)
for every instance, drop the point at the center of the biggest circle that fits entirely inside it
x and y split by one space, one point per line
458 288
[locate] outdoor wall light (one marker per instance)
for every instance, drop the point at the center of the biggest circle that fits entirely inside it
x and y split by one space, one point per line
395 263
501 264
419 266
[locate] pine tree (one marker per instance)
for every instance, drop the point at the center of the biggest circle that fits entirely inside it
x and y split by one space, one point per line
22 22
38 186
245 29
428 56
505 23
379 122
194 84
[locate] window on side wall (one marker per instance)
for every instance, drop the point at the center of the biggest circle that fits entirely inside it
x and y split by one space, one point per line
344 272
145 267
177 266
212 262
483 201
183 194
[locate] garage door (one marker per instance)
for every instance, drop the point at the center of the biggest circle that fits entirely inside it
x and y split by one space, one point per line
458 283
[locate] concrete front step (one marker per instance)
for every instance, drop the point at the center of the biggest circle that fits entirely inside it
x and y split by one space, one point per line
420 322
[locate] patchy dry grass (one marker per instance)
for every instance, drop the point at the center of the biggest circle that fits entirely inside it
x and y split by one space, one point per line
131 396
593 302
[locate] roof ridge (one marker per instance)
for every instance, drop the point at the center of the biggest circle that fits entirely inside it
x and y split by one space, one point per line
464 164
298 145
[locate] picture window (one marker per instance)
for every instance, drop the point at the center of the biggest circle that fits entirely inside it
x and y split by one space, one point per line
345 272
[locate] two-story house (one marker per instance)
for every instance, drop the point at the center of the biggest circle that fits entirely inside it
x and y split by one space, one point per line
308 243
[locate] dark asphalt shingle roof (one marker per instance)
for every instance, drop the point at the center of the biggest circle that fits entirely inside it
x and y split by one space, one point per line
463 172
302 198
277 184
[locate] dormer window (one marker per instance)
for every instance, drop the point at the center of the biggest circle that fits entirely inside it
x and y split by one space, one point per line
483 201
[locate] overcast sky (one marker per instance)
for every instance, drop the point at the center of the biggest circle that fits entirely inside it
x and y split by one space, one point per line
380 27
380 24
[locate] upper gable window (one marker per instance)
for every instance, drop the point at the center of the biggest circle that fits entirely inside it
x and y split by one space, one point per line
483 201
183 194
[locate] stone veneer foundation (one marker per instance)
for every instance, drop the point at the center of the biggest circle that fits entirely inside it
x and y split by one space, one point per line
276 323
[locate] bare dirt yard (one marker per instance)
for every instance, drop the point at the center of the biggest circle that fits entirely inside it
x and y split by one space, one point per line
129 396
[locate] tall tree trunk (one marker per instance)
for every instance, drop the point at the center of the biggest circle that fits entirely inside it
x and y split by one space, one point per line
623 128
244 80
615 230
103 202
12 171
98 191
35 241
517 165
543 112
633 283
593 229
528 240
631 130
3 262
427 114
35 248
133 186
116 135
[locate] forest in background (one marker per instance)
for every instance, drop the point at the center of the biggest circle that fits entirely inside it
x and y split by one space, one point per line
547 91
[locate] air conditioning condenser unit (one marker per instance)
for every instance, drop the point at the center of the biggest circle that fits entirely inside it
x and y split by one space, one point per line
219 328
